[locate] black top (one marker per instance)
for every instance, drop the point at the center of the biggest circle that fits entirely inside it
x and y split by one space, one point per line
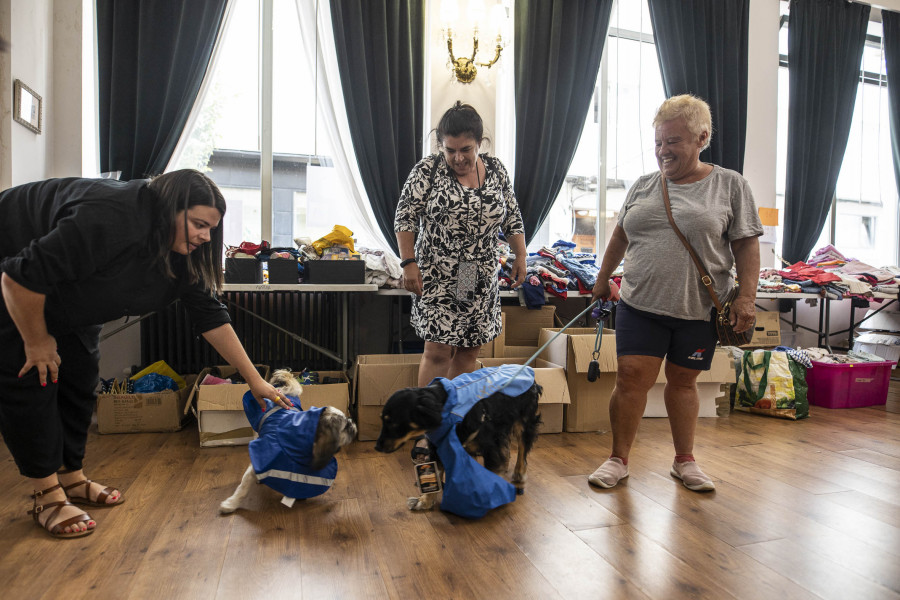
84 243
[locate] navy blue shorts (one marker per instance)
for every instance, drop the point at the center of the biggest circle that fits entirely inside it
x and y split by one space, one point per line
688 344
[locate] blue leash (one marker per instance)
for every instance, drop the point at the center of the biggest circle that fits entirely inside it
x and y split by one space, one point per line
601 312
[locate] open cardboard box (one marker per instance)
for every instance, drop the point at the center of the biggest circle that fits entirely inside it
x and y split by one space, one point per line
378 376
767 331
220 409
521 327
555 396
139 413
327 394
588 409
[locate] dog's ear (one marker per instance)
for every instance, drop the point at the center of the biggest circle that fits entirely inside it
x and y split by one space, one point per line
427 411
328 438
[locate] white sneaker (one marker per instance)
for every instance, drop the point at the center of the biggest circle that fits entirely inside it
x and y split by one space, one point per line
692 477
609 473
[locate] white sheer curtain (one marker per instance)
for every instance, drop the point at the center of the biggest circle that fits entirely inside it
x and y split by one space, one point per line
204 87
318 41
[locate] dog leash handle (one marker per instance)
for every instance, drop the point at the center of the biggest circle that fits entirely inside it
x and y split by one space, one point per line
601 313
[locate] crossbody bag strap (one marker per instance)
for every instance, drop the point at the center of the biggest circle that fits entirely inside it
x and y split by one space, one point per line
704 275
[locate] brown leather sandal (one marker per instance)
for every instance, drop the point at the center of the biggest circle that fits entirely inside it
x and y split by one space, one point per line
86 500
58 529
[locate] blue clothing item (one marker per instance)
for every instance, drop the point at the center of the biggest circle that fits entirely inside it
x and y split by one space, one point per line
587 274
563 244
154 382
281 454
533 295
470 490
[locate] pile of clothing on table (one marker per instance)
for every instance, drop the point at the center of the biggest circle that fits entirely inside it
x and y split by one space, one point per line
556 269
832 275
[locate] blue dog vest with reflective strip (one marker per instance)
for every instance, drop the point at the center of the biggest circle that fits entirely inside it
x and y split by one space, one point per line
470 490
280 455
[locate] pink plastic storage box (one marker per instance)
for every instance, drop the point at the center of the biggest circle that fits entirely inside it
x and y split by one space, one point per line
848 385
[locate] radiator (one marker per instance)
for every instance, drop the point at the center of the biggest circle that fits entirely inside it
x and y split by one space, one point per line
314 316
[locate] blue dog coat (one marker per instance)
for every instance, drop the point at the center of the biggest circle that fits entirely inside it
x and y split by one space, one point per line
281 454
470 490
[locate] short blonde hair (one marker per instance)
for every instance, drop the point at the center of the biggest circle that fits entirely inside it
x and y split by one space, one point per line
692 109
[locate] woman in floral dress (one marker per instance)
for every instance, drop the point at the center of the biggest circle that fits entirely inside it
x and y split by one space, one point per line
452 207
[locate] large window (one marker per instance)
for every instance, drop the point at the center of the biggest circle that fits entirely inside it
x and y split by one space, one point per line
863 220
226 139
633 88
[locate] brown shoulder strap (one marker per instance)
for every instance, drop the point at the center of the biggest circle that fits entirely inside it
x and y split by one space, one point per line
704 275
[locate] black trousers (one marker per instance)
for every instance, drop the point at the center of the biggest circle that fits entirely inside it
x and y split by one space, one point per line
45 428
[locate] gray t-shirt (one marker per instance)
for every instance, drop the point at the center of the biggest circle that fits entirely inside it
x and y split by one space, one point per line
659 275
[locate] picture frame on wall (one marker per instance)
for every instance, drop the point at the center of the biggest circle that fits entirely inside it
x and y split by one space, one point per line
27 107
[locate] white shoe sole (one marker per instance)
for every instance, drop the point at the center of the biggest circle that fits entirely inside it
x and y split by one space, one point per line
706 486
599 483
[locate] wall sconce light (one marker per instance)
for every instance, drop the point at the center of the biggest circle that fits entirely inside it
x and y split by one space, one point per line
463 67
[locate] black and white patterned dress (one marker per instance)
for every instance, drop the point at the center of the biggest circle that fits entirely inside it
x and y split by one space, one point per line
456 225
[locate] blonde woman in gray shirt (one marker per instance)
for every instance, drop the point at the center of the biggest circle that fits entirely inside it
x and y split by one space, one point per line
664 309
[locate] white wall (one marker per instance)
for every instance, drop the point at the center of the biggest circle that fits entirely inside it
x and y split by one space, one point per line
64 121
30 53
762 109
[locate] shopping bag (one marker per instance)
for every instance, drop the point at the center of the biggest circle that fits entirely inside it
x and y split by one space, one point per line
773 384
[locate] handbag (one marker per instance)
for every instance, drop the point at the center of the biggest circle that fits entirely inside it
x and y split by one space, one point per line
725 332
773 384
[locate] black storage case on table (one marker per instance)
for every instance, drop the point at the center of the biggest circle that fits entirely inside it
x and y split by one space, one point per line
243 270
335 271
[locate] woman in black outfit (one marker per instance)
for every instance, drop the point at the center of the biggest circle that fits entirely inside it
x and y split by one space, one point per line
77 253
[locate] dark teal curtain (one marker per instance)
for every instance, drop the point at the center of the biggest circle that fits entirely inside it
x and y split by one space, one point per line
381 57
890 22
825 46
557 58
702 50
152 56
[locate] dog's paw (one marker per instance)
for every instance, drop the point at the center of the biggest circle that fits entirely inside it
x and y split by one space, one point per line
420 503
227 507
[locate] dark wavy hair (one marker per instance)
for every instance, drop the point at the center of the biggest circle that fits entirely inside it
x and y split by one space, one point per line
460 119
178 191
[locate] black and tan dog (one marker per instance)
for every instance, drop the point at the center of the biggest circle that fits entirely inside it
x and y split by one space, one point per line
485 431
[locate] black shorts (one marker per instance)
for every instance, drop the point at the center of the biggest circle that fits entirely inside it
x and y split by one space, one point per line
686 343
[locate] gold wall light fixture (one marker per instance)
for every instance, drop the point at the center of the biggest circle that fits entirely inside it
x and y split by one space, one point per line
463 67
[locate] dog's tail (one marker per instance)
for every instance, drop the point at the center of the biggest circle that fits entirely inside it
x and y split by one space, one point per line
286 382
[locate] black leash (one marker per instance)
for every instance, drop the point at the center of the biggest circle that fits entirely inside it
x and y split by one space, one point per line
601 313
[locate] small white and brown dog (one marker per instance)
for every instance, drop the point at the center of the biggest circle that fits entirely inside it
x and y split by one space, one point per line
294 454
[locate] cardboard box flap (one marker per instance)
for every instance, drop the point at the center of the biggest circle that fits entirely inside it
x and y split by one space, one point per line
551 377
227 396
582 347
390 359
380 375
522 325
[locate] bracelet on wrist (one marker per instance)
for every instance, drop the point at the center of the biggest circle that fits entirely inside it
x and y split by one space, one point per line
405 262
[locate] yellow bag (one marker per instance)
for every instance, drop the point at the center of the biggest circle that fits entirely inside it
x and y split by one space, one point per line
162 368
339 235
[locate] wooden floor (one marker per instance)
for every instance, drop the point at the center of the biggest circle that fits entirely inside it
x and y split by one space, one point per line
806 509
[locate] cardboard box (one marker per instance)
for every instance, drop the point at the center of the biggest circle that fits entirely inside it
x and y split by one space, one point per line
139 413
522 326
220 409
589 401
556 390
335 271
767 331
327 394
710 385
243 270
588 409
376 377
503 348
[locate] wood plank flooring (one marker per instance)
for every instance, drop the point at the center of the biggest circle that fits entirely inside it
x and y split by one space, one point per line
807 509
